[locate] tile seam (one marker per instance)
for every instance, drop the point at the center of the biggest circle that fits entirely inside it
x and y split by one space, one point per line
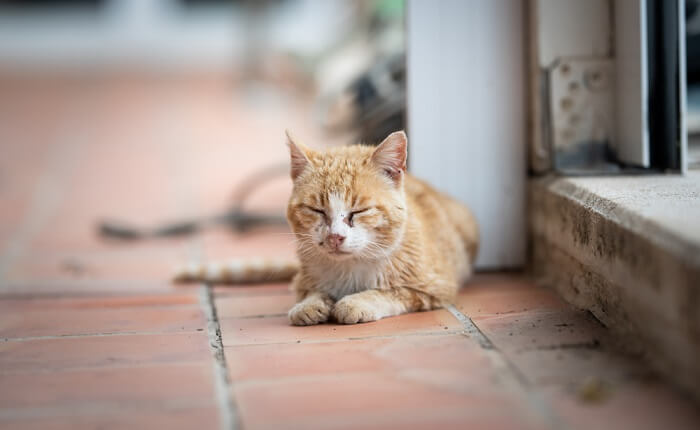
223 386
509 375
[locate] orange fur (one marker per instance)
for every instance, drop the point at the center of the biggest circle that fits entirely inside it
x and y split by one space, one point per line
372 240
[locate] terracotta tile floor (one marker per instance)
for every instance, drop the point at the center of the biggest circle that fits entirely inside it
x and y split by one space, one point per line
92 334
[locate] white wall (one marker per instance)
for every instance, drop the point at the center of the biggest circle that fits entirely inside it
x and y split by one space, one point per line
466 82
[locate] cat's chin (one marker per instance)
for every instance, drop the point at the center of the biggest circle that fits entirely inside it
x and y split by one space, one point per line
339 255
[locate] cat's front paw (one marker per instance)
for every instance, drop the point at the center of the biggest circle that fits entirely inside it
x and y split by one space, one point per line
350 310
309 312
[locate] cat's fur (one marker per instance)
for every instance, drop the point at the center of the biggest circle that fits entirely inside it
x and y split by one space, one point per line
405 247
372 240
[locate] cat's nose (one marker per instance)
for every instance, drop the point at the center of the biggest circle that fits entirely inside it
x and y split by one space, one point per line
335 240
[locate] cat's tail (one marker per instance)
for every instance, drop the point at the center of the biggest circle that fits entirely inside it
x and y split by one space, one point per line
239 271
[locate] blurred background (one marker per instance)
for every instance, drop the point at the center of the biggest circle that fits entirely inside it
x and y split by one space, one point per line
342 55
149 113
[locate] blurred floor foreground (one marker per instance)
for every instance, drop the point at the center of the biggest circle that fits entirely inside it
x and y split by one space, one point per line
93 335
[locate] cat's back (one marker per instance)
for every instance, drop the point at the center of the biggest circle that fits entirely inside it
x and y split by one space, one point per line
441 217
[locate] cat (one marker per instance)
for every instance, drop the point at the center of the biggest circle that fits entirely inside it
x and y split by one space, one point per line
372 240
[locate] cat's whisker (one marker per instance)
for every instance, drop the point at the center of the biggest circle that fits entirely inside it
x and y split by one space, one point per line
376 250
306 248
302 238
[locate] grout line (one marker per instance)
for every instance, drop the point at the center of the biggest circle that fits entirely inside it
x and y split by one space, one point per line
509 375
224 397
471 329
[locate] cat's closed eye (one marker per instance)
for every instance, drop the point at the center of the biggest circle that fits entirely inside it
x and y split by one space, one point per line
353 213
316 210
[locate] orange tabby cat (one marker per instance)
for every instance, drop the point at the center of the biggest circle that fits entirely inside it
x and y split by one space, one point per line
372 240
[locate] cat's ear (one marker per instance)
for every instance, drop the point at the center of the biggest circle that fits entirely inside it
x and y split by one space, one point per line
299 159
390 155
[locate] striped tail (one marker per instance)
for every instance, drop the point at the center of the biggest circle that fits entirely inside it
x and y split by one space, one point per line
239 271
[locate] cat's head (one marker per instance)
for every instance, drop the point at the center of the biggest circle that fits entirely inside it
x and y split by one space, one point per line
348 202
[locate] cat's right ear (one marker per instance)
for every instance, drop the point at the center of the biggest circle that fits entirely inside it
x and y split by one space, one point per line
390 155
297 152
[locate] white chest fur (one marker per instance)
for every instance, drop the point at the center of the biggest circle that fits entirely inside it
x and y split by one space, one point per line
344 278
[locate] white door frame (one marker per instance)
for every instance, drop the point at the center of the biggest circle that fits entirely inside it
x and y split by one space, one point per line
466 114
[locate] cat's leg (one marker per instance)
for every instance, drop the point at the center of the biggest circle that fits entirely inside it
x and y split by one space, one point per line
371 305
312 309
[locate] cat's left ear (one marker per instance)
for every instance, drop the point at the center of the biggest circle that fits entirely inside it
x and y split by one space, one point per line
390 155
299 159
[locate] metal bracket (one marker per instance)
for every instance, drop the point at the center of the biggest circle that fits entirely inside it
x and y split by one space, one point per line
582 115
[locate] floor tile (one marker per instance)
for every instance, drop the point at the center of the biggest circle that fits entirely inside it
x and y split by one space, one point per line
248 306
542 329
102 351
96 302
252 289
240 331
428 352
62 322
154 264
90 287
171 418
356 398
575 366
109 388
436 417
640 405
489 294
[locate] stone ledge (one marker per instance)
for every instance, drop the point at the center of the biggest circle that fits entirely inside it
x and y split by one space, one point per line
628 250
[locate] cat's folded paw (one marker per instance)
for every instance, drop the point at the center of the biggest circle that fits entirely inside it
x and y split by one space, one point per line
309 313
352 311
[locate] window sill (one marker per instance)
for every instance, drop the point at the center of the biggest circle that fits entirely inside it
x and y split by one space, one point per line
628 250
